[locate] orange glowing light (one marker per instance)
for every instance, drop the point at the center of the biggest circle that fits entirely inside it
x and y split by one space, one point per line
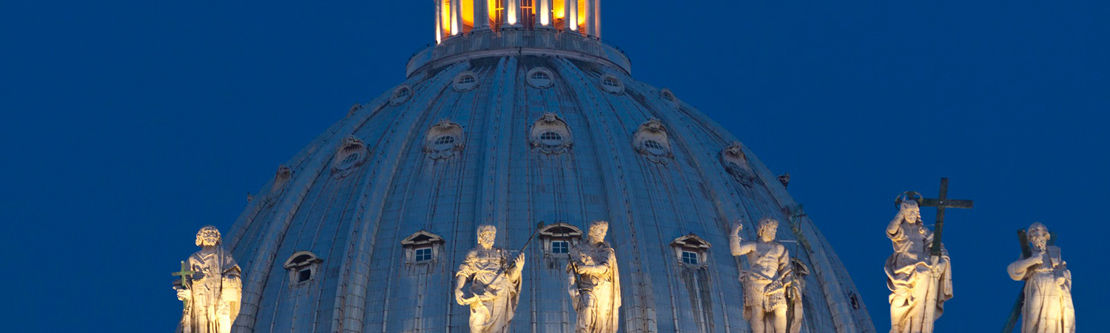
445 17
559 7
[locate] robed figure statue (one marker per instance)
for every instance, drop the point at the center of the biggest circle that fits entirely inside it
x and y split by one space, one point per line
213 289
489 282
1048 307
595 286
919 283
767 279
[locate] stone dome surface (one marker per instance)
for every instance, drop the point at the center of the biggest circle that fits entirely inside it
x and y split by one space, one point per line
362 231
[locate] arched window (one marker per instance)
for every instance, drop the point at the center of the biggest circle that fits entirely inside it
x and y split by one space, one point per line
611 84
540 77
303 267
465 81
558 238
400 95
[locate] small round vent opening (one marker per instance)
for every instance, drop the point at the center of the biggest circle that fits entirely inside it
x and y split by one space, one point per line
465 81
540 77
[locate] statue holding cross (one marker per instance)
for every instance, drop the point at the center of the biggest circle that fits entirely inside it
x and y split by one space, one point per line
1046 298
210 287
919 273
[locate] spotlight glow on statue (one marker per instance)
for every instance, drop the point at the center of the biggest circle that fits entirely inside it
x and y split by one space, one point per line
919 283
767 278
1048 307
595 283
494 284
211 287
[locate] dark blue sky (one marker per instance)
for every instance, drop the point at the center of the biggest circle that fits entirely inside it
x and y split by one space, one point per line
127 125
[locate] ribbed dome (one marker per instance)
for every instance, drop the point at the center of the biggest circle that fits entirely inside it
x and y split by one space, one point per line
513 138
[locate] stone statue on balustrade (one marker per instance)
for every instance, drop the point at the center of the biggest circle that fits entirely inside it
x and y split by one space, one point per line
210 287
595 283
919 282
488 281
1048 307
767 280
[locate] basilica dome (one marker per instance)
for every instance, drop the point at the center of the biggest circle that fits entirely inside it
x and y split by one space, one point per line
521 118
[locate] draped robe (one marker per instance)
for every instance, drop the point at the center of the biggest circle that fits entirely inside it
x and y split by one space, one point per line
496 287
1048 307
595 289
911 279
215 293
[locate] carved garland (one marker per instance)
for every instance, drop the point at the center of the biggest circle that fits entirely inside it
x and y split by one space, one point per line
444 140
736 163
651 140
551 135
351 155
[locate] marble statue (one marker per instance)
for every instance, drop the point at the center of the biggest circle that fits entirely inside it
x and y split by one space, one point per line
489 282
211 289
1048 307
595 286
919 283
767 278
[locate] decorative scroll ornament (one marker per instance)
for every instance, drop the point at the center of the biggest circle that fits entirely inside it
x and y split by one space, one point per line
551 135
210 287
651 140
351 154
444 140
736 163
281 180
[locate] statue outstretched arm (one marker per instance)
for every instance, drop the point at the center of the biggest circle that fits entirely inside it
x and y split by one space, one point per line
736 244
893 227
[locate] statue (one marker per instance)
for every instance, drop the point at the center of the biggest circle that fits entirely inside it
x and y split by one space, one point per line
210 287
919 283
595 283
767 278
1048 307
494 284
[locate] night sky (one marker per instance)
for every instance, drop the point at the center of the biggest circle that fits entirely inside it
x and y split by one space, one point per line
128 125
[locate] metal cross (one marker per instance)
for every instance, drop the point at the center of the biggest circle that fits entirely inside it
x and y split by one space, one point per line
184 273
941 202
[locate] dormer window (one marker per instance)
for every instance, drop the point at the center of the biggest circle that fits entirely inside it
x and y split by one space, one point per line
443 140
690 257
551 135
690 250
422 247
558 238
303 267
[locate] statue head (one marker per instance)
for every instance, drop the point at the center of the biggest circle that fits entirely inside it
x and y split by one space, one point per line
486 234
598 230
767 228
912 211
1038 236
208 236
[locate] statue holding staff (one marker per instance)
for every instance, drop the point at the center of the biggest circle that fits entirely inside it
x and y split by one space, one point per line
489 282
1048 307
210 287
595 283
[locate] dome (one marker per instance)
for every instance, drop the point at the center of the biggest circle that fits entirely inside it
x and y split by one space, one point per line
513 125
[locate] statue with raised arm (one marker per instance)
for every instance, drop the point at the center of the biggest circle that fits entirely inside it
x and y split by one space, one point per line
919 283
489 282
1048 307
211 289
767 278
595 283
